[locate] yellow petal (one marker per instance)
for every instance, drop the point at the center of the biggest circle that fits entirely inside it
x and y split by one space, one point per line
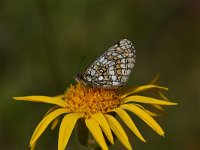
119 131
66 129
95 130
128 121
56 120
45 122
60 96
163 96
43 99
155 79
158 107
144 116
150 113
54 123
99 117
33 146
51 109
147 111
147 100
143 88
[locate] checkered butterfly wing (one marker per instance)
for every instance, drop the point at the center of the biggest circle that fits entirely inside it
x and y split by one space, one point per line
112 69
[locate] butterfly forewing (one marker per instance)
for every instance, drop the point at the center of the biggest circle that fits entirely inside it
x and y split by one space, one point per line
112 69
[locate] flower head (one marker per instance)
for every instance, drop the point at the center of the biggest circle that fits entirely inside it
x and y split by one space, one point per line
97 108
89 101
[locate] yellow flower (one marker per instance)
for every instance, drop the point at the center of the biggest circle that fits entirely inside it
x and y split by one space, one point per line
97 109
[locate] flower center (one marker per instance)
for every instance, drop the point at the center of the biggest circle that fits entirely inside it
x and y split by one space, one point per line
88 100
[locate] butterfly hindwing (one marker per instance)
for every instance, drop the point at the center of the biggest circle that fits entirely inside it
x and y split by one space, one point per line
112 69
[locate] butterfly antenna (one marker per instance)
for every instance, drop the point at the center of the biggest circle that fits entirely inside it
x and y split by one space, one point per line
80 63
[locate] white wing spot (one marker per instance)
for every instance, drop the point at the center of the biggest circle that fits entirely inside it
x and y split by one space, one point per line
100 78
93 72
115 83
102 59
111 72
122 65
114 78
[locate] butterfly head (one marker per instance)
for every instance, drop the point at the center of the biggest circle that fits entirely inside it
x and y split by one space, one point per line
78 77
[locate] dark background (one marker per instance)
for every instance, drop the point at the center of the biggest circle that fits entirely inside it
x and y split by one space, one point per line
43 41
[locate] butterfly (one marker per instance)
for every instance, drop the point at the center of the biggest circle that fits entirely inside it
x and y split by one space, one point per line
112 69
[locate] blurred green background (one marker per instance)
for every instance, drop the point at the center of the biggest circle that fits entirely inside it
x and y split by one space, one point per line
43 41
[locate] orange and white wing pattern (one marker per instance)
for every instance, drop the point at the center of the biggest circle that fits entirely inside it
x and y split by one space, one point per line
112 69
